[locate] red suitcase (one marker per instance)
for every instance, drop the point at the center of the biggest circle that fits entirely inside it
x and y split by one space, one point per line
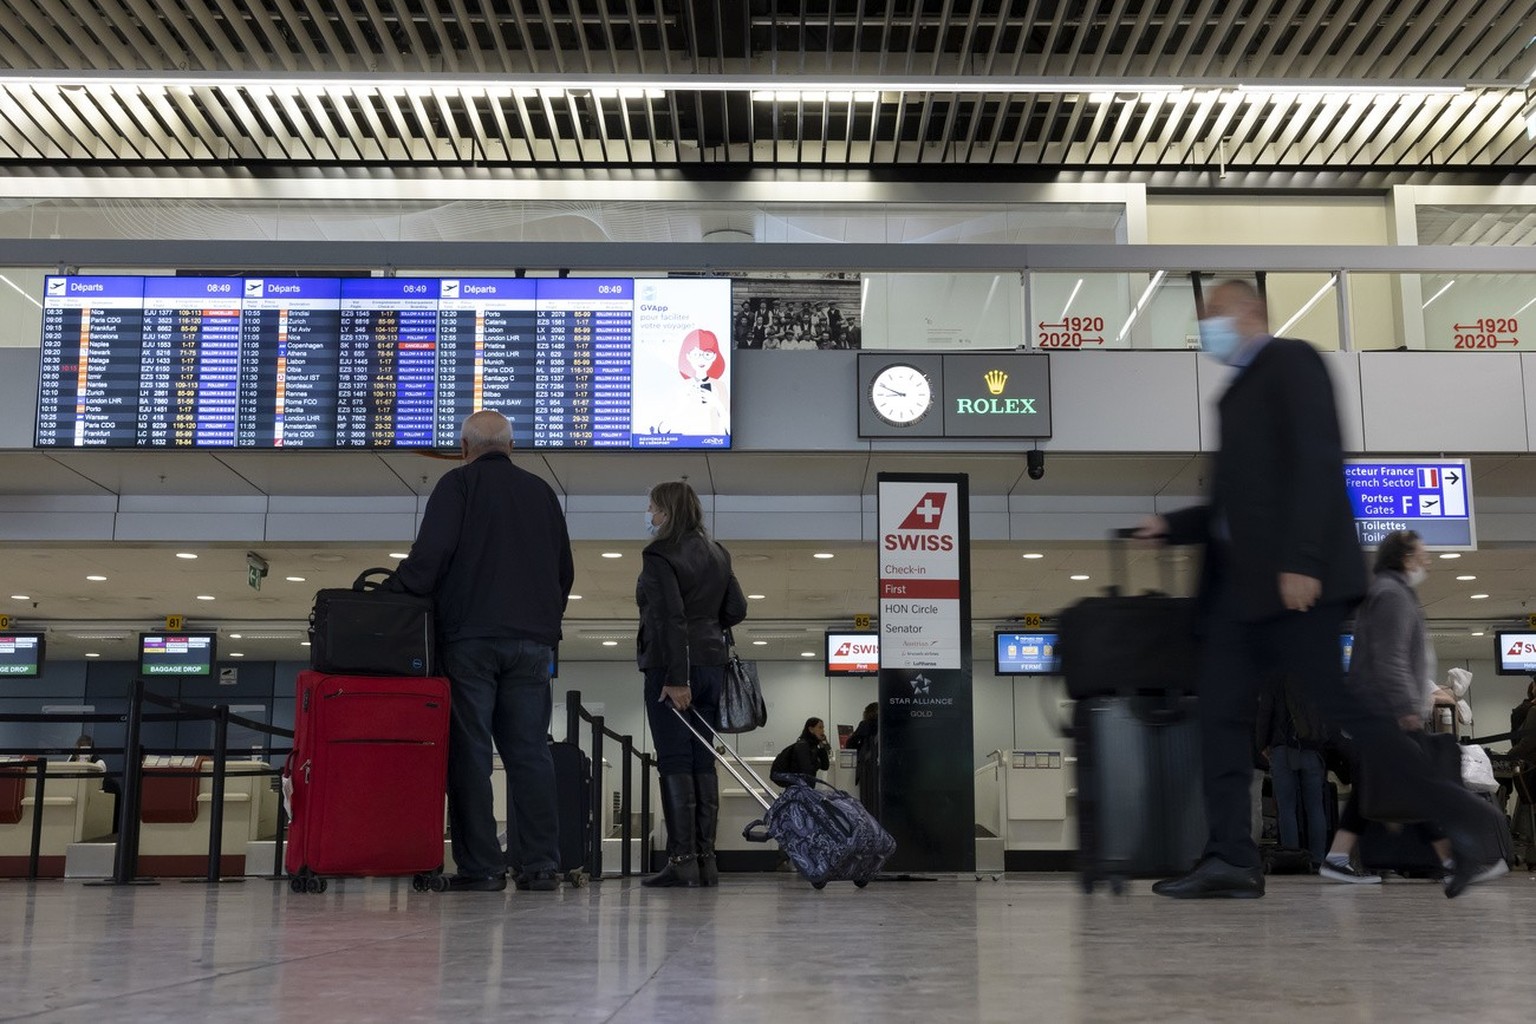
367 779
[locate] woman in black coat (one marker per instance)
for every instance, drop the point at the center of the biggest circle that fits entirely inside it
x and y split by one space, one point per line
687 597
809 753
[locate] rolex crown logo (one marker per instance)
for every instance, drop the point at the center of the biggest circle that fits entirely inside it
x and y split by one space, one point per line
995 380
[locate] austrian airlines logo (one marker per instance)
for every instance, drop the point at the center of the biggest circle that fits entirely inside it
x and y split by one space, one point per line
927 513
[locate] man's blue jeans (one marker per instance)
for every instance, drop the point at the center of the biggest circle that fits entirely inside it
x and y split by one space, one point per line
1300 781
501 696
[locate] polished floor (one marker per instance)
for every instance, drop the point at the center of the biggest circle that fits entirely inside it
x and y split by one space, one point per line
767 948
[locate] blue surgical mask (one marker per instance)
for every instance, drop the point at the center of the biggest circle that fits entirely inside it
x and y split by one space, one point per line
650 527
1220 339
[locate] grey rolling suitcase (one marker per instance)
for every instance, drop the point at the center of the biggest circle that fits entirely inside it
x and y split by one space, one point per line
827 834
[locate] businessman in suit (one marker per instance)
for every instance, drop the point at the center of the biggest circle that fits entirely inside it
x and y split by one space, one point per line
1282 571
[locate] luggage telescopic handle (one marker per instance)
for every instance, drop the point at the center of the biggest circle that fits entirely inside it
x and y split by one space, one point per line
764 803
364 583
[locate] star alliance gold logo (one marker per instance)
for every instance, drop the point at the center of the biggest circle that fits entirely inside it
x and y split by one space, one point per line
995 379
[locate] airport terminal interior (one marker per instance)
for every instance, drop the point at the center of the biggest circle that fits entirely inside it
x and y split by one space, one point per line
901 290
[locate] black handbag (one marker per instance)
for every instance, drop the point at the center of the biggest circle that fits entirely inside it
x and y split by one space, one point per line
741 696
1387 795
367 630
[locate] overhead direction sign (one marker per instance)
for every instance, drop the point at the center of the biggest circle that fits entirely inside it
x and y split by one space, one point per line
1432 497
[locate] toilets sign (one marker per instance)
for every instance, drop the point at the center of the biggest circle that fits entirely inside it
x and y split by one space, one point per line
1432 497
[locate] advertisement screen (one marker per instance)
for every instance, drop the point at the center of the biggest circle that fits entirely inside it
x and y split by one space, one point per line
853 654
1025 654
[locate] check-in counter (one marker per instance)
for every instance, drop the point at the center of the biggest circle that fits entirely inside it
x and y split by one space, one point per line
75 807
1026 806
174 817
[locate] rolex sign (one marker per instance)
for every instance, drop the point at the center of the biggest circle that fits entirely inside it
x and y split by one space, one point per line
997 395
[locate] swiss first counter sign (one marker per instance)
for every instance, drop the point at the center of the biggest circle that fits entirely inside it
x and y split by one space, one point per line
919 575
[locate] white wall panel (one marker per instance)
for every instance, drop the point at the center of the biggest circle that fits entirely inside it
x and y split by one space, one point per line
1123 401
1452 402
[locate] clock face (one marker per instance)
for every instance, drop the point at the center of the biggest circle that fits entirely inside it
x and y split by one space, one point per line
900 395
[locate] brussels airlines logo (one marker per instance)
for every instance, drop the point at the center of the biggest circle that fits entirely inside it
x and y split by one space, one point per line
923 520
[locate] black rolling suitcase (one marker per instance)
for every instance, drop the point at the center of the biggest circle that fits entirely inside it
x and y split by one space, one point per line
827 834
573 797
1130 664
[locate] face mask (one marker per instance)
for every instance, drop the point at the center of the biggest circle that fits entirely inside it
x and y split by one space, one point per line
1416 575
1219 338
650 527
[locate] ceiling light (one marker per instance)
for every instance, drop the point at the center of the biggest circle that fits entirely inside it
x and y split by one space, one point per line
1479 597
756 597
303 643
1479 633
610 643
575 597
1450 554
397 554
295 579
1141 303
205 597
1070 298
237 636
236 654
1032 554
1437 294
326 557
1079 577
1466 579
807 654
759 643
92 654
185 554
20 597
613 554
1306 307
1354 89
823 554
97 579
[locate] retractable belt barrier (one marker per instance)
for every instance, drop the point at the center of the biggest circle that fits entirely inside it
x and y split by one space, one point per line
575 714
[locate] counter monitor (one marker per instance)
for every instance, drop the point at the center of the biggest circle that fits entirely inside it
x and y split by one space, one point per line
176 654
21 655
1025 654
850 653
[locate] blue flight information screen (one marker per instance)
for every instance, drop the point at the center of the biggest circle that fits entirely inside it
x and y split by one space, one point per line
1027 654
379 363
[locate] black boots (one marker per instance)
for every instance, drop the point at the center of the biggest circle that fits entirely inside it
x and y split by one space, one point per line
706 790
679 807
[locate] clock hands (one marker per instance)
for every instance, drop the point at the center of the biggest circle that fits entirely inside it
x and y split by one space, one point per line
899 394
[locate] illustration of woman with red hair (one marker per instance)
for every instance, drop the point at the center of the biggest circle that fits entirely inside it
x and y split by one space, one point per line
702 365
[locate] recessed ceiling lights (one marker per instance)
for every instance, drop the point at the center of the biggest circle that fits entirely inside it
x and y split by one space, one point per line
1479 597
823 554
92 654
610 643
236 654
20 597
205 597
1450 554
1079 577
1032 554
1466 579
327 557
399 554
303 643
807 654
1479 633
97 579
575 597
759 643
237 636
757 597
185 554
294 579
613 554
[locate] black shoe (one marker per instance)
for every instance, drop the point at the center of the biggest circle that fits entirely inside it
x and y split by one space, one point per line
680 873
475 883
1214 879
539 881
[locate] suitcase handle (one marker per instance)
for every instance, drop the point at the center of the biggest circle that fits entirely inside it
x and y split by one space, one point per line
764 803
363 583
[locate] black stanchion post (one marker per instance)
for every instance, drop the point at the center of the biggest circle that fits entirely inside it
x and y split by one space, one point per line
645 815
216 811
282 828
125 861
597 796
38 790
572 716
626 828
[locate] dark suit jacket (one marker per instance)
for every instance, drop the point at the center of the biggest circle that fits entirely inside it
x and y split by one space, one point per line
1278 500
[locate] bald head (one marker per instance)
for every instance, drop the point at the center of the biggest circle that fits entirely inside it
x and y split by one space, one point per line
485 431
1242 302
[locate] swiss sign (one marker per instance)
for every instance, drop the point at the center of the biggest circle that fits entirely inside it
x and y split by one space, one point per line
1430 497
927 513
919 574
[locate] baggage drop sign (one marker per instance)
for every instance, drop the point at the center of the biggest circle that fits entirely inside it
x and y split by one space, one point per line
919 576
1432 497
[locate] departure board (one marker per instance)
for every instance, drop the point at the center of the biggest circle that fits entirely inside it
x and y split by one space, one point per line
378 363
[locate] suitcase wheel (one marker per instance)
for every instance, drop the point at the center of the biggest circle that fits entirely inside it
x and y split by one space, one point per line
818 886
421 883
315 884
439 882
296 884
861 882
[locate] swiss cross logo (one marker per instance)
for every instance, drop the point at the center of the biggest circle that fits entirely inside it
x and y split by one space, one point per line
925 515
843 650
1518 647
